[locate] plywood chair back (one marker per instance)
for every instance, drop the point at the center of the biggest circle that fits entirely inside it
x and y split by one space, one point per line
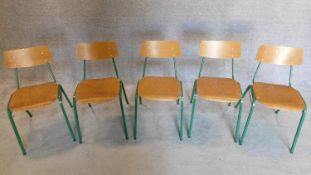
280 55
220 49
27 57
97 51
160 49
163 49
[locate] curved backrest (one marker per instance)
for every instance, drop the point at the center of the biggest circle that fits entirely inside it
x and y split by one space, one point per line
220 49
27 57
160 49
96 50
280 55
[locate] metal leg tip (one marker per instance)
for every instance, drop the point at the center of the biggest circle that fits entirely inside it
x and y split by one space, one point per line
240 142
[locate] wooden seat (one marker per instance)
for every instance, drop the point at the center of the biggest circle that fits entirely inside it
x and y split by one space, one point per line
218 89
278 96
30 97
159 88
98 90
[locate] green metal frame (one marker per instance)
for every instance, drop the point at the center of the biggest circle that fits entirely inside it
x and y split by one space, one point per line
180 102
122 85
61 92
253 96
194 99
144 72
121 92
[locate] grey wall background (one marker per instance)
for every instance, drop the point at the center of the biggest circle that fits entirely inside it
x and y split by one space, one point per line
63 23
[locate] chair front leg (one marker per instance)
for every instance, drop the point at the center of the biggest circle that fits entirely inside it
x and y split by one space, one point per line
135 113
194 99
248 121
19 140
193 90
66 118
181 129
75 111
243 95
125 96
237 128
298 130
123 115
63 92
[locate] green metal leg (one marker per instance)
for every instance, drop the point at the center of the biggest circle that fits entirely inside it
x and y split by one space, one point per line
140 100
63 91
123 89
194 99
276 111
193 90
181 129
135 116
123 116
229 104
67 121
292 149
243 95
237 128
19 140
248 121
29 113
238 103
77 119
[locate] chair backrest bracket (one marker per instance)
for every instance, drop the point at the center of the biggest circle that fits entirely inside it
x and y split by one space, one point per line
115 67
17 78
51 72
144 69
290 75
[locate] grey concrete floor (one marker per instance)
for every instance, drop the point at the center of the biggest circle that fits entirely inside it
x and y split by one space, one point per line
157 150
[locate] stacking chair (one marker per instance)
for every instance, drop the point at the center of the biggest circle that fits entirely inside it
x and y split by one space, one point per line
35 96
275 96
160 88
98 90
216 89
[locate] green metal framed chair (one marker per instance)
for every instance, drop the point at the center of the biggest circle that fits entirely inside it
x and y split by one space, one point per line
35 96
216 89
160 88
98 90
275 96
